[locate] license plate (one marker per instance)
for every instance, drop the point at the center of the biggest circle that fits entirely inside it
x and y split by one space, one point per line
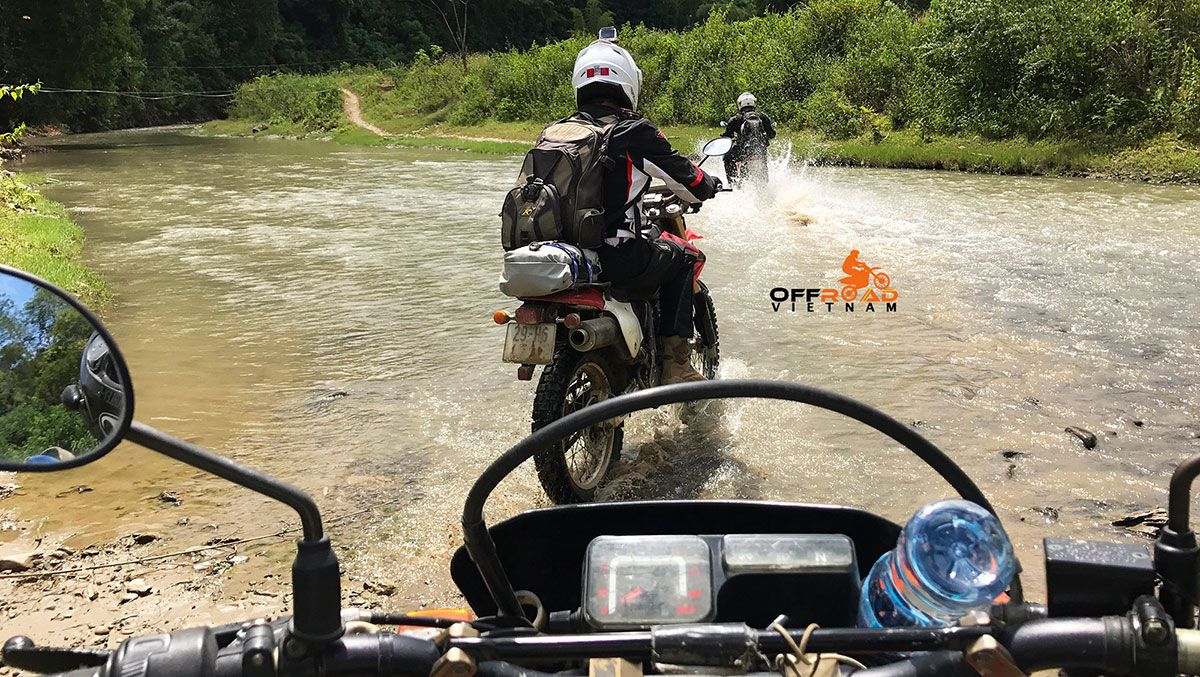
530 343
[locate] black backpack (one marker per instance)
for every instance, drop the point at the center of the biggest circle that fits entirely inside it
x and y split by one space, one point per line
754 130
558 193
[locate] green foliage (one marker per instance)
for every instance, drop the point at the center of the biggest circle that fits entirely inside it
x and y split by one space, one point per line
856 52
1060 68
311 101
209 47
831 113
1102 71
15 92
1186 109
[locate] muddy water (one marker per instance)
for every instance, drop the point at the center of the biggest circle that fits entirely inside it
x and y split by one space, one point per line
322 312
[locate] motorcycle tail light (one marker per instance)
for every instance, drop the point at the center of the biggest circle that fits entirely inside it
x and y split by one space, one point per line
531 314
501 317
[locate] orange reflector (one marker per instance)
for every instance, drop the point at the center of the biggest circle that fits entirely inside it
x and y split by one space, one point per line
451 614
501 317
525 372
571 320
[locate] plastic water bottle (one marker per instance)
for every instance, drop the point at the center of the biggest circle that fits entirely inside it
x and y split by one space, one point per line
952 556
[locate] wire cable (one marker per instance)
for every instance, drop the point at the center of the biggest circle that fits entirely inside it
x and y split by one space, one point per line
164 95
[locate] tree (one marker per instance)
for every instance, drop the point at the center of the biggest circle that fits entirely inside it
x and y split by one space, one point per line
592 18
454 17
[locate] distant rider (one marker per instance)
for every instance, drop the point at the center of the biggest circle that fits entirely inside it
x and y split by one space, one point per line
607 83
751 130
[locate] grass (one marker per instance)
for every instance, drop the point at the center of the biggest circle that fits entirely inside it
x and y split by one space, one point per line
1165 158
908 150
37 236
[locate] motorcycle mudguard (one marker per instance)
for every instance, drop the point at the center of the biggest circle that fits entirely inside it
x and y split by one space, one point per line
631 328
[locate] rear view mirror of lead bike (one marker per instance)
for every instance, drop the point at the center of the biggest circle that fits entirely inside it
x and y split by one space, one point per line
718 146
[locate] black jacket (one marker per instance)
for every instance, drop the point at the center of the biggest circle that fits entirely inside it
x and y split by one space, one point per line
639 152
734 126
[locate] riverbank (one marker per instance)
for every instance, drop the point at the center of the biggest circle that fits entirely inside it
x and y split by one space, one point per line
1165 159
38 236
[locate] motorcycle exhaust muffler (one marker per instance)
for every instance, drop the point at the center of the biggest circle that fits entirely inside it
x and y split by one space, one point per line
600 332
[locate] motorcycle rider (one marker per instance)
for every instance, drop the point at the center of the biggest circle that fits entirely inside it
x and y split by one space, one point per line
607 83
751 129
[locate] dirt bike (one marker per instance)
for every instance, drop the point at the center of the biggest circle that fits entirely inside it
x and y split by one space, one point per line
750 167
747 163
596 345
687 587
850 290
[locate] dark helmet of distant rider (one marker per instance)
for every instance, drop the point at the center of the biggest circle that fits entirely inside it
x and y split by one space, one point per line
99 397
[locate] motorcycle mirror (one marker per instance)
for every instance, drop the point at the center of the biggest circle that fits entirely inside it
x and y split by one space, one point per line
65 393
722 123
718 146
66 399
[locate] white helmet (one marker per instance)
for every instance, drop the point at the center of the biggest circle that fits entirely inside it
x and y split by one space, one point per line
602 61
746 100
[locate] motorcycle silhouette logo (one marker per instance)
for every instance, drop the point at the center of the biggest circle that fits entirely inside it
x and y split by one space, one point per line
859 276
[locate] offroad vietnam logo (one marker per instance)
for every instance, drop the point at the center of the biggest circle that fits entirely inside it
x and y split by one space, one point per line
864 289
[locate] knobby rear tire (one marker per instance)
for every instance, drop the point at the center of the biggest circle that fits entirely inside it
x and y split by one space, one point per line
706 351
561 390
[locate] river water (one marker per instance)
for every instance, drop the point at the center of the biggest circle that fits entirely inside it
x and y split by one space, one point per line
323 312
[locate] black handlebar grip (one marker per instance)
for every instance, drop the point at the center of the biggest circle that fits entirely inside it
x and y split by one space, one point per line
1112 644
184 653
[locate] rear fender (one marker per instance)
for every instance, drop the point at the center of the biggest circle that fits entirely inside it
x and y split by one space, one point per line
631 328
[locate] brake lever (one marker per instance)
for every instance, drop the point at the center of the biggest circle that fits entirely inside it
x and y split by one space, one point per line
19 652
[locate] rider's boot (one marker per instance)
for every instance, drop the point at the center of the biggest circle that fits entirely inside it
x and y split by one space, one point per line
677 361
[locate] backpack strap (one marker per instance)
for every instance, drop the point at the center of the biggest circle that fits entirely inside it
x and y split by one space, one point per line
606 130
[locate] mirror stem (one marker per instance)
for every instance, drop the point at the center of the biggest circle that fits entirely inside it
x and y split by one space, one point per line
316 576
199 457
1176 554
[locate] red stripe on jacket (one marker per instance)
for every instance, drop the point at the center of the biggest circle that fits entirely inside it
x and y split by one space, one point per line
628 177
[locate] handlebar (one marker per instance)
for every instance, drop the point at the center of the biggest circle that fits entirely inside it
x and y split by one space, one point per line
1116 645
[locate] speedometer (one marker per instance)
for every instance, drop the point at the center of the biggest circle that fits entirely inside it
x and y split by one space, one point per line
639 581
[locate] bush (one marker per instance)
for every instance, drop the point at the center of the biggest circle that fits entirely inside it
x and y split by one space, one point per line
832 114
1186 109
311 101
